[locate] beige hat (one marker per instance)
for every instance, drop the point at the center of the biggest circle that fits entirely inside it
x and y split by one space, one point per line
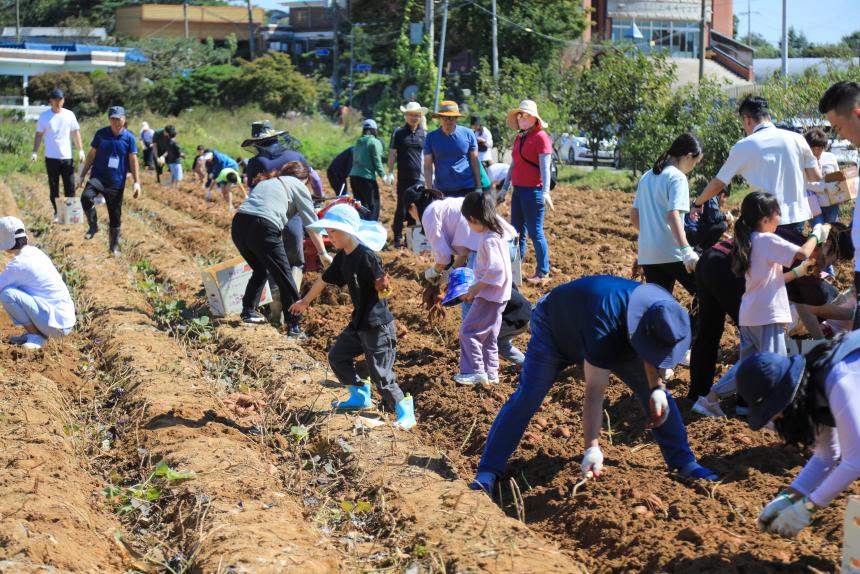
449 109
413 107
529 107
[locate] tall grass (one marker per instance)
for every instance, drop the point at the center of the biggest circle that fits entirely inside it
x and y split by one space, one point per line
602 178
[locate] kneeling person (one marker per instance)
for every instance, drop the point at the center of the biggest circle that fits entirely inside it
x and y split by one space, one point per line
371 327
32 291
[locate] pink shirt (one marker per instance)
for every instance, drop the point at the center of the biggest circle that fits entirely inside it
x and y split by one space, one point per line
493 267
447 231
765 301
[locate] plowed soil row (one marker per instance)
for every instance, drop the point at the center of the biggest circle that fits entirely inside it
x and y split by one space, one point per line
637 517
429 506
234 513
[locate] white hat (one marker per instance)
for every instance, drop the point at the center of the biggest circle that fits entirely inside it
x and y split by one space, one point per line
527 106
413 107
344 217
11 228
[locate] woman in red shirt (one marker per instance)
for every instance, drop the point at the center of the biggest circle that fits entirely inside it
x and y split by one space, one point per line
530 176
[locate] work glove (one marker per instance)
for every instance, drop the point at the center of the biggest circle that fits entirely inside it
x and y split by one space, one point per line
431 275
803 269
773 508
547 200
136 189
689 258
659 404
325 259
34 157
592 461
388 178
821 231
161 160
479 190
730 219
383 287
81 155
792 519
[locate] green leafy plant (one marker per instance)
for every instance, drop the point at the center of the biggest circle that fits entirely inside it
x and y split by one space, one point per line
138 497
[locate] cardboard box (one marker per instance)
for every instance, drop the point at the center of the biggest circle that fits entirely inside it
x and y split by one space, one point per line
847 180
851 537
415 240
69 210
225 285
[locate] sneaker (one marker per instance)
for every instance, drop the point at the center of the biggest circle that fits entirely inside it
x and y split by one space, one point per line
493 379
34 342
295 332
56 219
538 279
685 362
18 339
253 318
471 379
708 408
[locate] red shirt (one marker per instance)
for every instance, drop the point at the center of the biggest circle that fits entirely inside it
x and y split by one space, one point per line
537 142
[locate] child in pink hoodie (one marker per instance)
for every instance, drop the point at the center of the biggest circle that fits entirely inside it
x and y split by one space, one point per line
479 352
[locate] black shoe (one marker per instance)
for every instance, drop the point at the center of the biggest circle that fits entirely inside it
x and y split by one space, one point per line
113 234
295 332
92 219
253 318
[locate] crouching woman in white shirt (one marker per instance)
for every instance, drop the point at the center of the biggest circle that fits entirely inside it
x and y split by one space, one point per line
31 289
811 400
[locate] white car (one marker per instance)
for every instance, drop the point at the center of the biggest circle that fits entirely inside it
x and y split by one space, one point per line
845 152
574 150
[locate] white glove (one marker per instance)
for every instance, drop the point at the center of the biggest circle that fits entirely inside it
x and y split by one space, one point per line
659 404
802 270
430 274
547 201
821 231
690 258
325 259
773 508
388 179
136 189
81 155
161 160
34 157
792 519
730 218
592 461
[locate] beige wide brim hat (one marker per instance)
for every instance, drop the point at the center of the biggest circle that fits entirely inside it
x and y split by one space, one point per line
529 107
449 109
413 107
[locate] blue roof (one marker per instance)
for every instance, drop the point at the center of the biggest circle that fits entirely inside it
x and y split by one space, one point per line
131 54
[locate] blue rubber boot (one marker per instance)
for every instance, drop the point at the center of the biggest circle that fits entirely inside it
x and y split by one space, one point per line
359 399
405 412
484 481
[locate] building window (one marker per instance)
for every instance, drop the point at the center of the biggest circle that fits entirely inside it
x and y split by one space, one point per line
673 38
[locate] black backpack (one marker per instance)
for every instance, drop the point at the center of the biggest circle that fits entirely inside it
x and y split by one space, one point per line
553 167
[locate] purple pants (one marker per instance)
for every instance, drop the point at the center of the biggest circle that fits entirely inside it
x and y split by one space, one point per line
479 350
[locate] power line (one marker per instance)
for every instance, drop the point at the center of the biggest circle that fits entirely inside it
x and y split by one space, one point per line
516 25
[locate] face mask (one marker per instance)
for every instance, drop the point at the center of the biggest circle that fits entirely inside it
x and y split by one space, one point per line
526 123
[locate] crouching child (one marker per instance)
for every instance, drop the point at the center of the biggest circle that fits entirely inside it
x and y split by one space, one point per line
371 327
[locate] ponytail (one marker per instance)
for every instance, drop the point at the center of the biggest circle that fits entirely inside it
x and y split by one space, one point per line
741 248
684 144
756 206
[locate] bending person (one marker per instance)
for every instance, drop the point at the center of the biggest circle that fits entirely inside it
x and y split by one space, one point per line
612 325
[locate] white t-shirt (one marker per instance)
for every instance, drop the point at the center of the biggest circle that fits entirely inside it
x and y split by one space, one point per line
773 160
57 129
32 272
827 163
486 135
656 196
765 300
497 172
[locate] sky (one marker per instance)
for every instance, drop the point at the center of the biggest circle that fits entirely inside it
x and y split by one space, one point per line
823 21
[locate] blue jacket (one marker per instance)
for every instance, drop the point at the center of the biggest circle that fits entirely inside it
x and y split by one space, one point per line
711 216
220 161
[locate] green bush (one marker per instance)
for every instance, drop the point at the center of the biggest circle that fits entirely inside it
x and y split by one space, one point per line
275 85
78 90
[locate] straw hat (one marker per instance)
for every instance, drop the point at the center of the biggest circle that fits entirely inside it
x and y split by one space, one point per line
449 109
529 107
414 107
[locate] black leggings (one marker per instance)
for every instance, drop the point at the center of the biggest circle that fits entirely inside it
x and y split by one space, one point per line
259 241
665 275
113 200
367 192
294 241
60 168
401 214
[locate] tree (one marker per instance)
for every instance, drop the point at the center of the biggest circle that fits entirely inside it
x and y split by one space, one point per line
78 90
763 48
167 57
853 41
274 83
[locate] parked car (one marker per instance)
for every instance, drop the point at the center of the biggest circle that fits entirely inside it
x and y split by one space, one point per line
574 150
845 152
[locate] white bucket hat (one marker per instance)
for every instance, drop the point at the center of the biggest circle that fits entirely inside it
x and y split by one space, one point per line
345 218
11 228
413 107
529 107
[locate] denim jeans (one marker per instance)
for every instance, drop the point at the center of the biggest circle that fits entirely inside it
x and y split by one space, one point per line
527 213
507 349
543 362
829 214
24 309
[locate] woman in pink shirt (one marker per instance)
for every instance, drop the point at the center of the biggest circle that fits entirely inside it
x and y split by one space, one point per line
759 255
488 295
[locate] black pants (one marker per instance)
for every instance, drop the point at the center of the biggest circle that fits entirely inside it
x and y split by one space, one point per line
113 200
260 243
367 192
459 192
379 347
665 275
294 241
704 239
60 168
719 292
401 213
147 155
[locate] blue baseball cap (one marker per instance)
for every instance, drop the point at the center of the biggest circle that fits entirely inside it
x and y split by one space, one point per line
344 217
116 112
57 94
459 281
658 327
768 383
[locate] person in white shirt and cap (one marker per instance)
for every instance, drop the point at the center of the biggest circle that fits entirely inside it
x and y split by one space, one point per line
31 289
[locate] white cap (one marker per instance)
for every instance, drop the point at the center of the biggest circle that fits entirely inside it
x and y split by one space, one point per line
10 229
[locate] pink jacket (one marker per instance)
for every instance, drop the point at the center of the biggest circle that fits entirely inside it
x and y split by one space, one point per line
493 267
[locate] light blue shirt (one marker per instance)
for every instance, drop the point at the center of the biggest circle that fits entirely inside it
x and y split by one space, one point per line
656 196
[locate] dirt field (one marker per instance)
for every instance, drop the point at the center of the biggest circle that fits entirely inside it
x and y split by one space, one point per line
289 486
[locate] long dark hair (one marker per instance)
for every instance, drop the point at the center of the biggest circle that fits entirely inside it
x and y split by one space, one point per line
425 197
684 144
756 206
798 424
481 207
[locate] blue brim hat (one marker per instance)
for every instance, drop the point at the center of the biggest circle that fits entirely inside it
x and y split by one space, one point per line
459 281
659 328
345 218
768 383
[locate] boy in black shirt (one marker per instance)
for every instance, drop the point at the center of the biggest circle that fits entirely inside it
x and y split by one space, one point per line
174 160
371 326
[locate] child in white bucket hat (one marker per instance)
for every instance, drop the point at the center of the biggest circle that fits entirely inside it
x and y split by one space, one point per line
371 329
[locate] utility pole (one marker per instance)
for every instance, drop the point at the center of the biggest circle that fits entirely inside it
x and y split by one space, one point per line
185 17
702 26
431 26
250 30
749 22
351 52
441 55
495 44
784 41
18 20
335 77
